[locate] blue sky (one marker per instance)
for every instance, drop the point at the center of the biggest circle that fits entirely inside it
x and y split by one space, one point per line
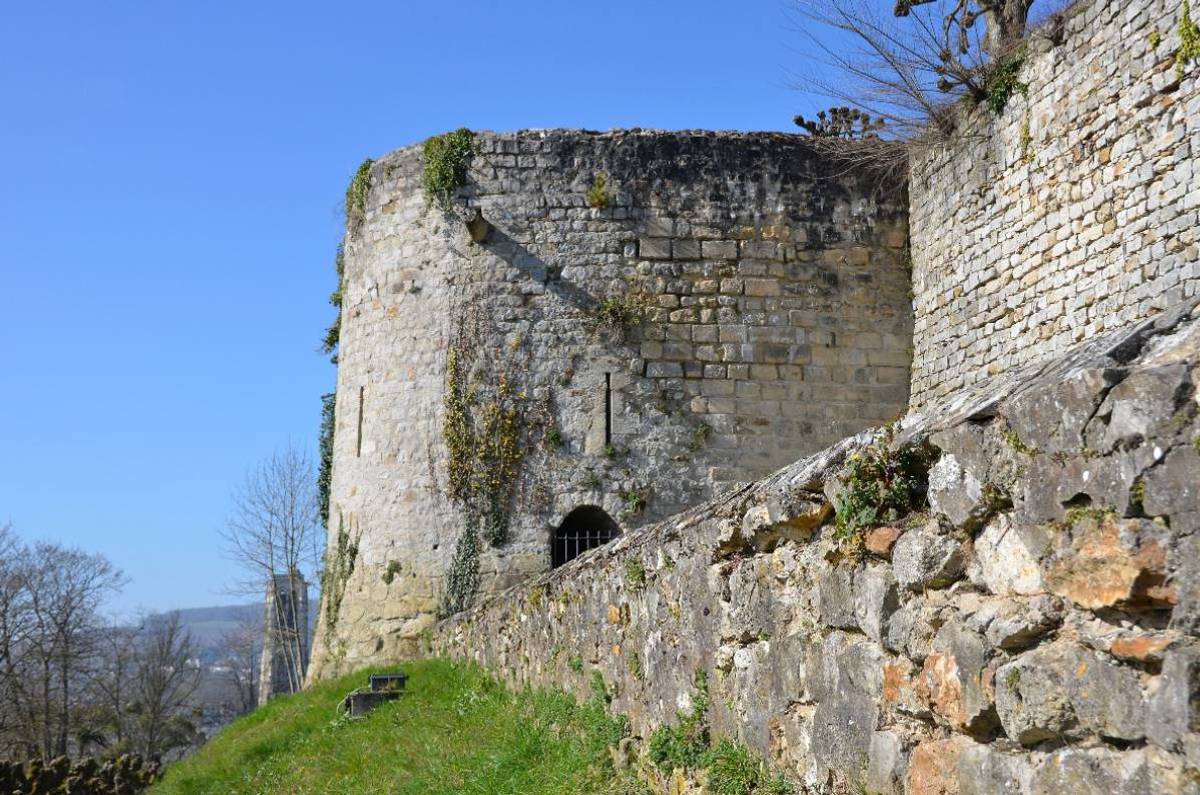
170 208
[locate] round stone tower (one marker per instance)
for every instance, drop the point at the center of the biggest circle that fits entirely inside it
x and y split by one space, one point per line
593 331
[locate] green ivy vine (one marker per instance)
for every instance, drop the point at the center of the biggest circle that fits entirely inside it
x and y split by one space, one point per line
339 565
447 159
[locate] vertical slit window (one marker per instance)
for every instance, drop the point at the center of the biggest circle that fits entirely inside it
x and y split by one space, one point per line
362 394
608 409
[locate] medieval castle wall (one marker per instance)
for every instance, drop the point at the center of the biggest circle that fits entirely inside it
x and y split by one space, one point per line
738 302
1030 624
1074 211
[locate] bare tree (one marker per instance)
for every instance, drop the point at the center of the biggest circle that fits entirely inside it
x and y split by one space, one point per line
240 650
112 690
166 677
50 596
15 628
275 531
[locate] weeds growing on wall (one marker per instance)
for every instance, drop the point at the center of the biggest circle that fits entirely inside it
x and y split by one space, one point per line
1003 81
339 565
356 195
732 769
684 744
635 575
598 197
325 449
617 315
447 159
635 501
1189 41
880 486
389 574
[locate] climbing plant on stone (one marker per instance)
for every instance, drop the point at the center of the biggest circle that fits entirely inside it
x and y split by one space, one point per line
447 158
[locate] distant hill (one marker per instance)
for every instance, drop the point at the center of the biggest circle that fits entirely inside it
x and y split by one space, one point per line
209 625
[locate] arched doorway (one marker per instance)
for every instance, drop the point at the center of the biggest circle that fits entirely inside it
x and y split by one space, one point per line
584 528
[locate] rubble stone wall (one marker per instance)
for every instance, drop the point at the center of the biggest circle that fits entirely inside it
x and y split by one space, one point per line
1073 212
770 317
1034 629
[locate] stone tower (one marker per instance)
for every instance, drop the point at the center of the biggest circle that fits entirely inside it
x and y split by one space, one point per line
600 330
285 651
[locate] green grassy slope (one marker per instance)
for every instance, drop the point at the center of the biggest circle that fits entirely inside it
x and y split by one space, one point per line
454 731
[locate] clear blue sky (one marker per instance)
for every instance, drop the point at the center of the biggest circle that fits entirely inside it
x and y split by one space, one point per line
169 209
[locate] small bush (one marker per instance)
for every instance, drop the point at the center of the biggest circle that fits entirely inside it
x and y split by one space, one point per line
598 197
881 486
1003 82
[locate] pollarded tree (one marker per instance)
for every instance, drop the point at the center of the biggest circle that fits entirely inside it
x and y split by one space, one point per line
908 71
1004 22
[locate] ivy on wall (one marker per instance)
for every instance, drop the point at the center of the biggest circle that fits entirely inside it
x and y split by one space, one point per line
340 560
325 450
488 421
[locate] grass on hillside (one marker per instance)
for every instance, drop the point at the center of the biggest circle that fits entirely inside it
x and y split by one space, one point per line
455 730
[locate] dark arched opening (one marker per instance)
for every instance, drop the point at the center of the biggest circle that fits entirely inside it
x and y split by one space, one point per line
584 528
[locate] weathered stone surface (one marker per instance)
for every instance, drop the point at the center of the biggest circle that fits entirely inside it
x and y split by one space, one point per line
1052 417
956 681
880 540
923 558
1099 560
1135 409
876 599
887 764
957 494
988 770
1062 691
836 598
1012 624
1007 563
1174 708
933 767
1103 771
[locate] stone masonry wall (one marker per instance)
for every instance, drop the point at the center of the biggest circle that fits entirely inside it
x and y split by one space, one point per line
772 318
1035 630
1073 212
